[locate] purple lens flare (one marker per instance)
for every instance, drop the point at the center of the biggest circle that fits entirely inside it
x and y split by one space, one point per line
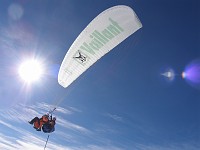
192 73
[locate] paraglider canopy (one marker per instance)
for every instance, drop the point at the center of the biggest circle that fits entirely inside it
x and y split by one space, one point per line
102 34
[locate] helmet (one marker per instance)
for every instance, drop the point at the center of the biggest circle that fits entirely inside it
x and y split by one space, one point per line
54 118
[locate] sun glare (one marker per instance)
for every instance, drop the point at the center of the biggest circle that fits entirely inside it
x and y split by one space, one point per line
31 71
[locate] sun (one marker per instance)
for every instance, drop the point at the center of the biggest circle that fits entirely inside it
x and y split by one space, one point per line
30 70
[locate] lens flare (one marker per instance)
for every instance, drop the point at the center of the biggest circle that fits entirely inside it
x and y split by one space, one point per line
169 74
183 75
192 73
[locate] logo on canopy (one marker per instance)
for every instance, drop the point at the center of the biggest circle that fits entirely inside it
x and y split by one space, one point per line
81 57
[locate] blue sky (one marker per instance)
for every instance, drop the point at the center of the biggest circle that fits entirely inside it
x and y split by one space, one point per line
122 102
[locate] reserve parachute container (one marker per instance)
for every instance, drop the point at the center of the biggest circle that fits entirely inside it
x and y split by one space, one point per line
102 34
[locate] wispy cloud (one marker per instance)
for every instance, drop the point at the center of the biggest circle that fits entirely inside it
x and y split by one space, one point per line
6 142
12 120
29 142
8 125
70 125
44 108
23 113
75 137
114 117
32 142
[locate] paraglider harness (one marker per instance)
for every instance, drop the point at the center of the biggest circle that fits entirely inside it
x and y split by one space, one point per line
47 126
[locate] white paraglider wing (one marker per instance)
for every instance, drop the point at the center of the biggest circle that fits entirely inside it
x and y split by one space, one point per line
101 35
